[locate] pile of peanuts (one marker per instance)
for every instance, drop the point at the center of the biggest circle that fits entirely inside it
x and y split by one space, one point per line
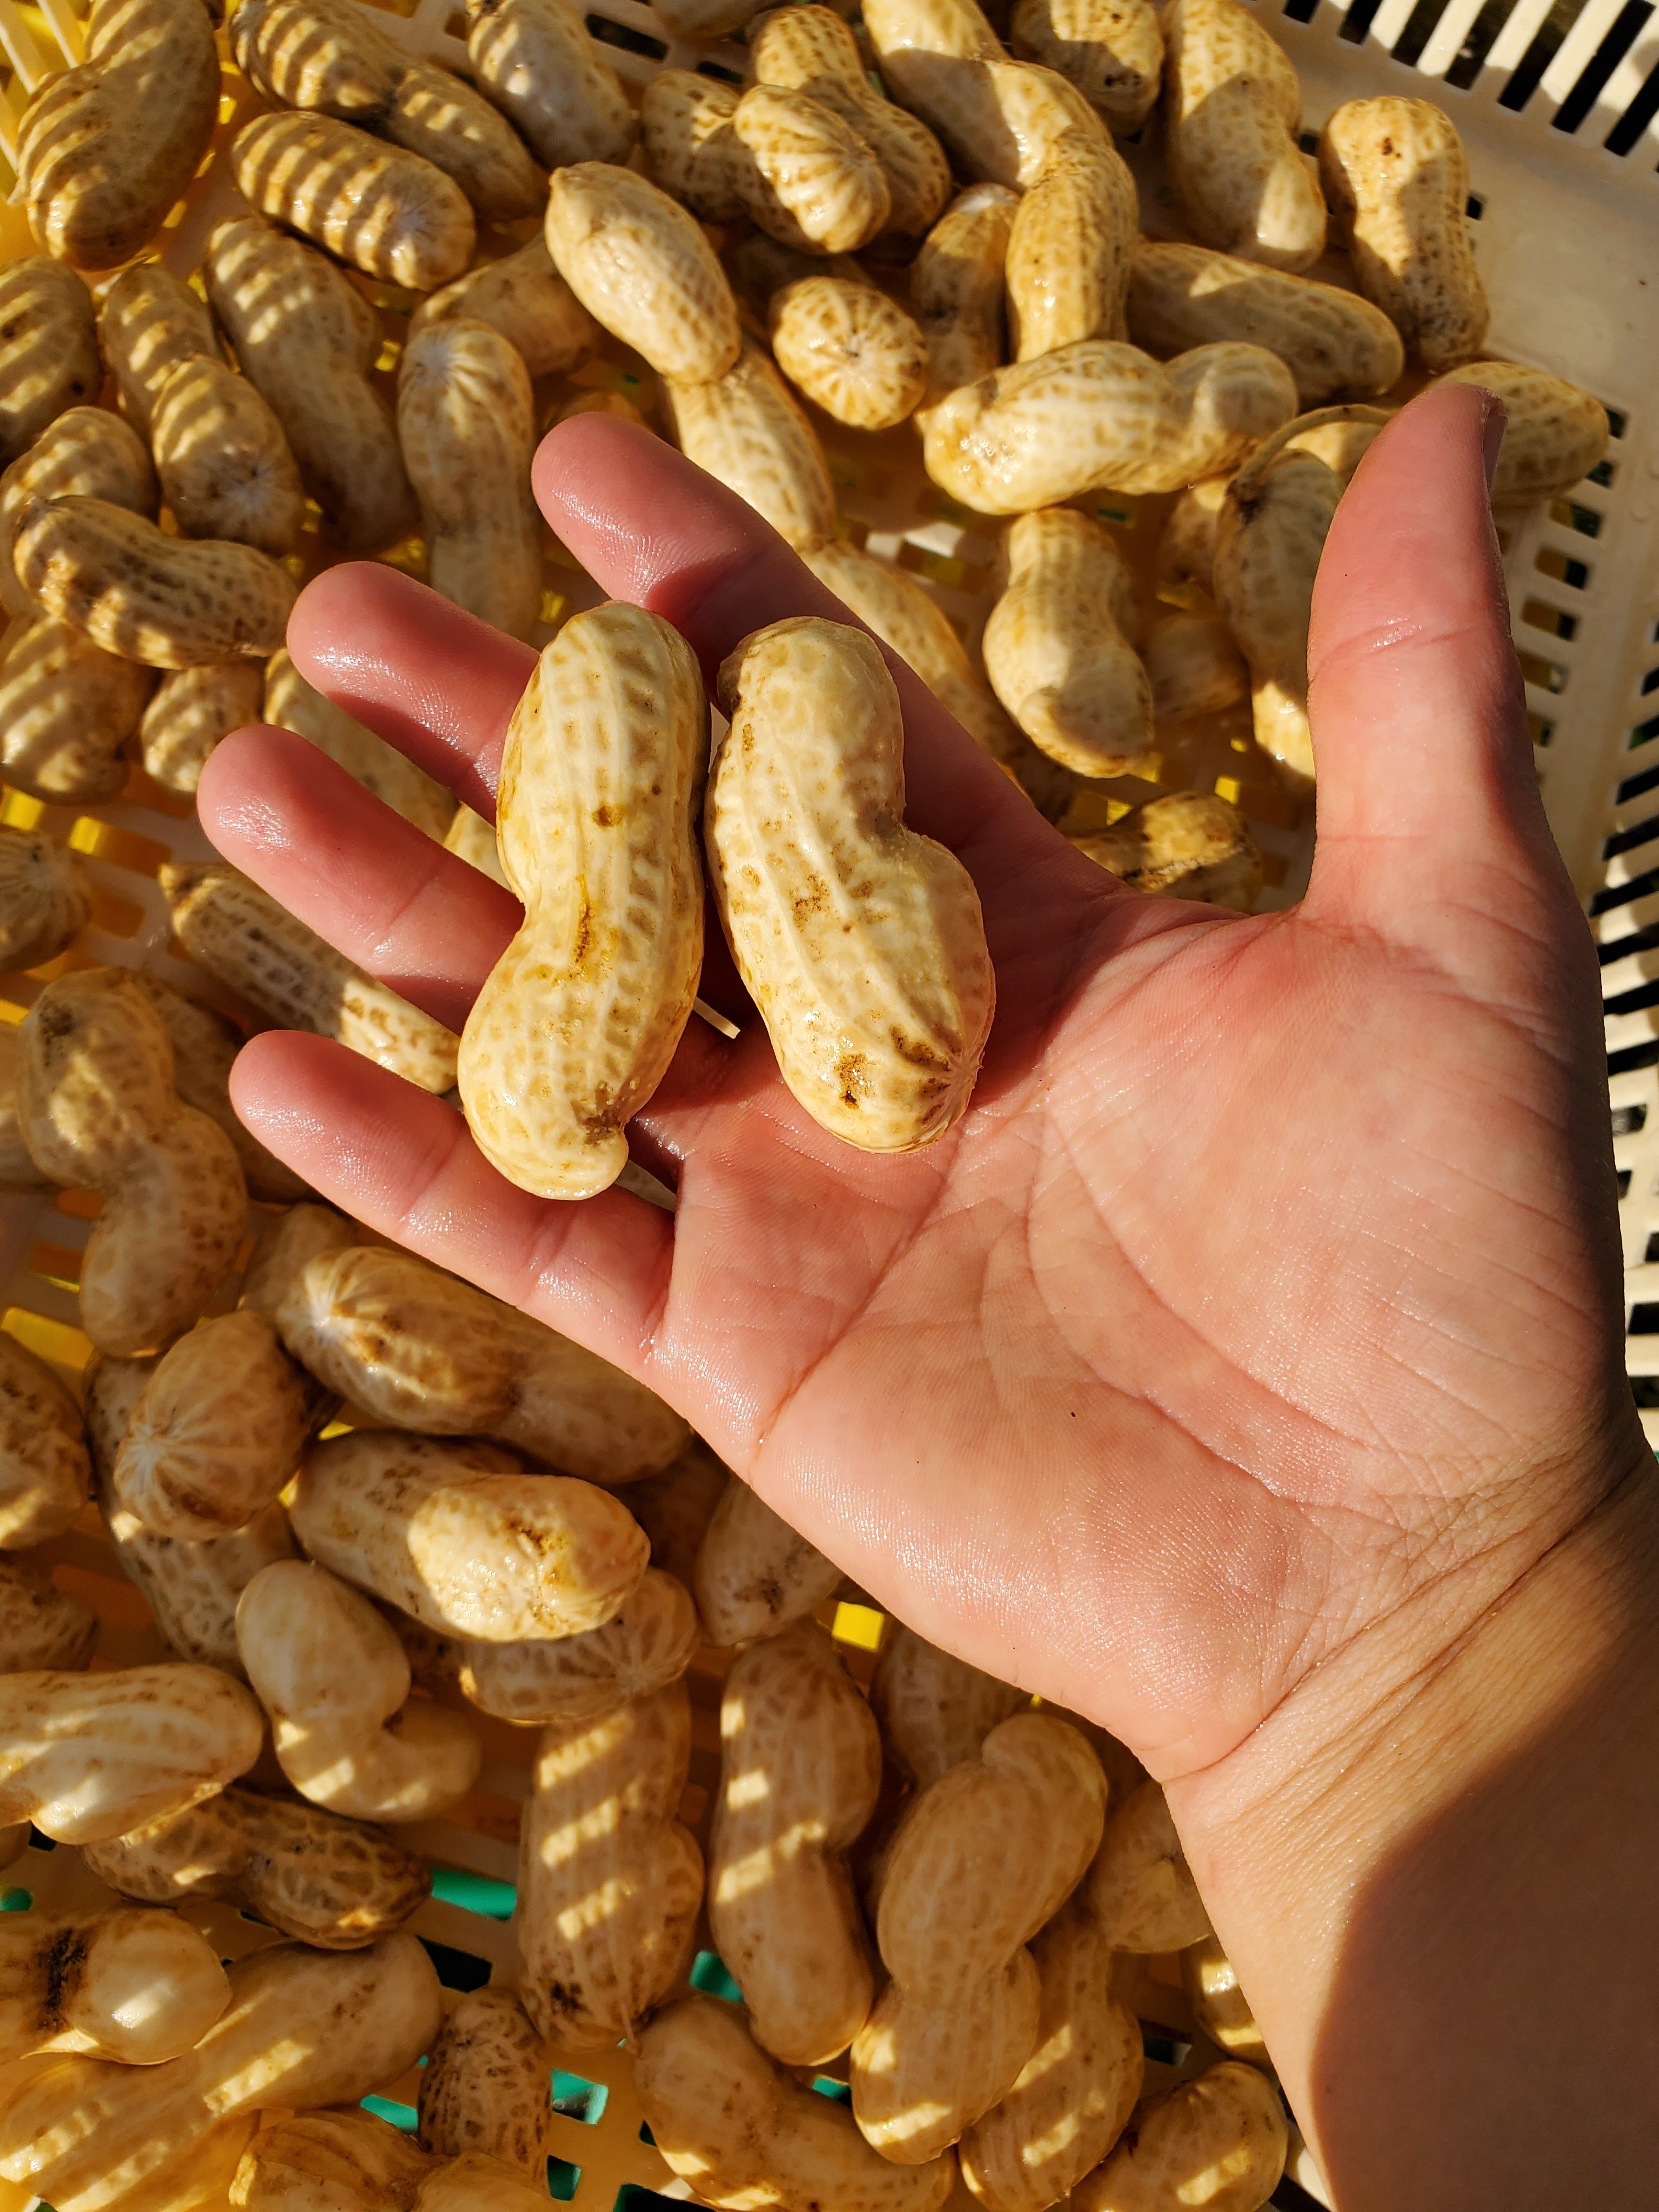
513 1526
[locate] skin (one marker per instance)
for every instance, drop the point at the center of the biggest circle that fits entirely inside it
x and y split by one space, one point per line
1260 1321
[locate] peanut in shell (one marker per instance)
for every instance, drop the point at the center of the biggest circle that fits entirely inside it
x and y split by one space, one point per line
44 1465
1111 50
1554 433
851 349
523 297
190 711
389 213
641 268
49 354
224 463
536 61
1232 107
149 322
746 430
1070 247
45 897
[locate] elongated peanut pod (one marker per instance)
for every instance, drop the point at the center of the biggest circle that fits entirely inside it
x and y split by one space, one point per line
1140 1888
754 1575
88 453
1229 2123
190 710
525 298
292 704
44 1466
861 943
205 1044
641 266
466 421
957 291
225 466
747 430
537 62
1058 645
1111 50
685 127
1554 433
389 213
49 351
1070 246
1232 109
934 1710
66 711
601 782
140 1987
41 1626
149 322
648 1643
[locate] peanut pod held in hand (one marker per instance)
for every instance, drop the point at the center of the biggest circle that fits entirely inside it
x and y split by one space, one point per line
41 1627
44 1465
1232 107
337 1884
1099 416
641 268
49 351
238 933
99 1110
743 2131
466 421
388 213
459 1537
610 1881
1219 2141
330 1671
86 1757
958 2019
106 149
861 943
800 1773
139 1987
601 782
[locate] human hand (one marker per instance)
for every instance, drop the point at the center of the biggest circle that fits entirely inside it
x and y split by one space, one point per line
1265 1303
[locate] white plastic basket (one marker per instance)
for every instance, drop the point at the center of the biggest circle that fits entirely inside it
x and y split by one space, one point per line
1559 110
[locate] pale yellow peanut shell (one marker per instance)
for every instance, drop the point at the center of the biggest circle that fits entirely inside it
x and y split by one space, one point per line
335 1883
205 1048
466 421
149 322
904 615
292 704
203 2181
1070 248
983 1859
1186 545
86 1757
648 1642
66 711
218 1431
535 59
169 602
472 839
48 349
1232 107
934 1710
601 782
328 57
336 2161
1139 1886
331 1672
1102 417
235 931
189 711
192 1588
303 2027
753 1574
44 1466
745 2133
800 1772
457 1536
1058 644
418 1348
98 1109
824 189
389 213
1270 535
1188 844
87 452
1220 2007
524 297
41 1626
45 897
675 1508
850 349
1334 343
746 430
224 463
812 50
484 2086
685 127
17 1170
1075 2092
957 291
306 339
1111 50
1193 667
1554 433
106 149
610 1881
861 943
1398 182
139 1987
1219 2141
641 268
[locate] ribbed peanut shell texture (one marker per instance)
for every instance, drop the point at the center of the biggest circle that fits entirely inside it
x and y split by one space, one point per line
754 1574
536 61
850 349
224 463
49 354
455 1534
1554 433
824 189
648 1642
642 269
149 322
1398 182
745 2133
861 943
484 2086
1070 248
388 213
610 1881
524 297
41 1627
800 1775
190 711
1111 50
982 1860
1140 1888
747 430
87 453
957 289
602 777
66 711
1232 107
43 1467
934 1710
1219 2141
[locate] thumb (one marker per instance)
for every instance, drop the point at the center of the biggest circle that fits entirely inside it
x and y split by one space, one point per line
1428 798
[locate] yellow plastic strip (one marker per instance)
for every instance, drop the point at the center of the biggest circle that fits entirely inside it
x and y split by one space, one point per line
26 58
66 28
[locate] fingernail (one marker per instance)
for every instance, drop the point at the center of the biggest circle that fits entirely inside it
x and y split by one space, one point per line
1492 438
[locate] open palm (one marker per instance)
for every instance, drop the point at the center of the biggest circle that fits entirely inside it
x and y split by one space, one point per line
1263 1298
